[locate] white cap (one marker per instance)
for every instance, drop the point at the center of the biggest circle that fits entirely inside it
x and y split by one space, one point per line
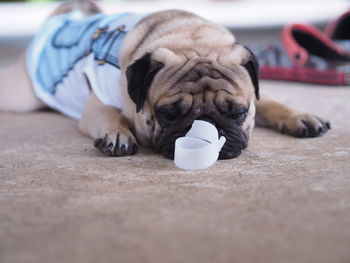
200 147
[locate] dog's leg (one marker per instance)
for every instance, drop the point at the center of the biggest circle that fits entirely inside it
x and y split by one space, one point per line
286 120
16 93
108 127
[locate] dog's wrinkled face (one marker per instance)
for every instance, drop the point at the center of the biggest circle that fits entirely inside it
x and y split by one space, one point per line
172 88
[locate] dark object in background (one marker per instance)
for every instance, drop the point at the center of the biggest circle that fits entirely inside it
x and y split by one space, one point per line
303 54
339 30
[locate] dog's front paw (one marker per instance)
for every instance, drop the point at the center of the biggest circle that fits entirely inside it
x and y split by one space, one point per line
117 144
304 125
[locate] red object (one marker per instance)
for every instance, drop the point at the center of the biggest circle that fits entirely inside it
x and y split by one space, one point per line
302 44
304 74
297 52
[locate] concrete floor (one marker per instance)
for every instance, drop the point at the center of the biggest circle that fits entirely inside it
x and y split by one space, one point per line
283 200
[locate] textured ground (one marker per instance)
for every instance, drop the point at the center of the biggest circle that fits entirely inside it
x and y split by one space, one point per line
282 200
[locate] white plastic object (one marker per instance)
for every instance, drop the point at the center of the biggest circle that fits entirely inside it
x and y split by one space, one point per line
200 147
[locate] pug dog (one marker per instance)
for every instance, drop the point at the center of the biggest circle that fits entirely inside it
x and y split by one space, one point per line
161 72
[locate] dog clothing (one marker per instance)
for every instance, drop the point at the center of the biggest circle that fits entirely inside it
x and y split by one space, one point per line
73 54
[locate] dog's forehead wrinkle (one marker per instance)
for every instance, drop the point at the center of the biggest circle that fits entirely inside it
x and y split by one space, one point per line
166 56
182 61
175 74
181 99
207 70
230 100
178 70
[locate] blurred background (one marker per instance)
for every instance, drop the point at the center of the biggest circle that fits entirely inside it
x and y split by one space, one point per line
252 21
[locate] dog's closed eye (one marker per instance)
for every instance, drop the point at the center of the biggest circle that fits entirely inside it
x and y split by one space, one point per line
233 111
239 115
167 116
171 113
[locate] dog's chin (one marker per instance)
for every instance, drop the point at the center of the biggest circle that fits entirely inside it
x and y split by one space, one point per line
236 142
168 149
165 142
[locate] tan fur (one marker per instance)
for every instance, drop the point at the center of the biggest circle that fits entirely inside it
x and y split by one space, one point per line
202 67
182 40
282 118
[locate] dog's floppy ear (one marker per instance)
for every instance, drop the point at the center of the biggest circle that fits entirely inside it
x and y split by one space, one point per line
252 67
140 76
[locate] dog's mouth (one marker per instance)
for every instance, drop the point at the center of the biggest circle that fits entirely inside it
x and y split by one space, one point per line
236 140
167 147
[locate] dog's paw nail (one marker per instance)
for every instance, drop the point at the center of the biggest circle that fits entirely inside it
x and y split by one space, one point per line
117 144
134 149
328 125
320 129
110 146
117 139
122 149
97 142
303 133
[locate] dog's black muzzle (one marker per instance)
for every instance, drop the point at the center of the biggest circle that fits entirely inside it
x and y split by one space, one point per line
236 138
